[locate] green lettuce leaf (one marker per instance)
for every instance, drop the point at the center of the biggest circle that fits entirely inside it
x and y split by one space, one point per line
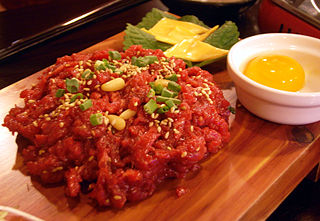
226 36
135 36
153 17
193 19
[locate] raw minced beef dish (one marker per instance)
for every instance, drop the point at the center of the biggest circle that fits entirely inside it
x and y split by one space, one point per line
121 123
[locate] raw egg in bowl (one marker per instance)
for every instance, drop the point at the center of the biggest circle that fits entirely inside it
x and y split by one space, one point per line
277 76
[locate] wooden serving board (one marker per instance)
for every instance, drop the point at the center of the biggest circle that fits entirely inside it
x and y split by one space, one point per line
246 180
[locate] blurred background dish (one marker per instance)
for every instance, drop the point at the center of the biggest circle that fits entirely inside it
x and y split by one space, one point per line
216 11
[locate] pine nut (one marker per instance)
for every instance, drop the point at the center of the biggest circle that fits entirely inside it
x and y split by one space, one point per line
127 114
113 85
117 122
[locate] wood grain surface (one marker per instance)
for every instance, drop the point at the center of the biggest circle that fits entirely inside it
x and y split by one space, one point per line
246 180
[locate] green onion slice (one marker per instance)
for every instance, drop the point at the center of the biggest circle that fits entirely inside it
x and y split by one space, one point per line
151 93
166 93
86 105
96 119
87 74
172 77
156 87
75 97
114 55
108 65
99 65
143 61
151 106
60 92
164 99
72 85
163 109
173 86
170 103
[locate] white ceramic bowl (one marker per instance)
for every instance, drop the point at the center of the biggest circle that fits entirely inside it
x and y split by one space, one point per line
294 108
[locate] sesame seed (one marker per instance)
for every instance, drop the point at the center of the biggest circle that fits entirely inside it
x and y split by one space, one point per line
159 129
151 124
86 89
31 101
117 197
184 154
198 149
176 131
191 128
91 158
169 148
88 63
61 124
166 136
35 123
41 152
135 104
89 82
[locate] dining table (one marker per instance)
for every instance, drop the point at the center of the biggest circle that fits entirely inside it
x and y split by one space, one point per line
246 180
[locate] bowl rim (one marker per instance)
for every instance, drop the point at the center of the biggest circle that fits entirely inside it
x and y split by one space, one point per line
236 70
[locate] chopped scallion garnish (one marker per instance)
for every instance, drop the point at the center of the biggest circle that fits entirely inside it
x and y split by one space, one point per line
99 65
75 97
72 85
60 92
86 105
143 61
163 109
87 74
156 87
173 86
96 119
115 55
151 106
108 65
172 77
170 103
166 93
151 93
164 99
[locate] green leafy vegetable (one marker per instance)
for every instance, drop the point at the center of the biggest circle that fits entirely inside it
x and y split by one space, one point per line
153 17
193 19
135 36
226 36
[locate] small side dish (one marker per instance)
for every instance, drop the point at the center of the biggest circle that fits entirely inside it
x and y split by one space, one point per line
285 90
117 124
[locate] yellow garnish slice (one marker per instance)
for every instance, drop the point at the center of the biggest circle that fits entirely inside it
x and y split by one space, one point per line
195 51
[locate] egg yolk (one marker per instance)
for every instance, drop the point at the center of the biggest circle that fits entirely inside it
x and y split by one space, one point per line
276 71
